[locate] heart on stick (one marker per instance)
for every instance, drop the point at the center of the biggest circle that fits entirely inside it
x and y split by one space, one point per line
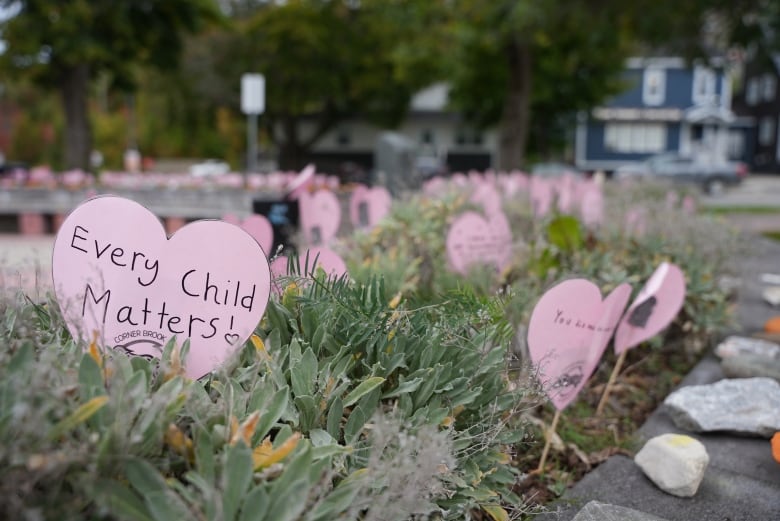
485 195
116 274
568 331
654 308
368 206
320 216
257 226
301 182
473 239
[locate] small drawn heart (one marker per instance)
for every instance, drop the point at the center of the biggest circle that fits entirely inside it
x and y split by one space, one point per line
654 308
568 331
231 338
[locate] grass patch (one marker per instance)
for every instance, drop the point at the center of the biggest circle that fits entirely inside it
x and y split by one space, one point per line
773 235
754 210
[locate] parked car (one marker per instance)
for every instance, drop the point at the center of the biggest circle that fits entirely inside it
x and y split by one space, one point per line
209 167
555 170
712 177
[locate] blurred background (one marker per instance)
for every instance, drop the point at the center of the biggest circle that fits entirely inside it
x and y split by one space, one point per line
591 85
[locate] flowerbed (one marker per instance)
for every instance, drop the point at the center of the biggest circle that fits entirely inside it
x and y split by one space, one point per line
401 393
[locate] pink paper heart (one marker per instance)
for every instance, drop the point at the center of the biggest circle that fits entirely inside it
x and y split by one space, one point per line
368 206
568 331
541 194
486 196
320 216
116 274
258 227
300 184
654 308
473 239
592 205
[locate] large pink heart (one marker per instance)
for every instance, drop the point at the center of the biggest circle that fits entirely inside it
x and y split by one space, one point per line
320 216
116 274
656 305
473 239
568 331
258 227
368 206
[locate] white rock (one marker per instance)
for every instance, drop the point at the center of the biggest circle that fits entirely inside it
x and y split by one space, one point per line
772 295
674 462
746 406
742 345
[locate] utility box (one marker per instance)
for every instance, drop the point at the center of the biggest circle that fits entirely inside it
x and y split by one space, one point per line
395 159
284 218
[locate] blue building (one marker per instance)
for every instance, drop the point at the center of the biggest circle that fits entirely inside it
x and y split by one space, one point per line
668 106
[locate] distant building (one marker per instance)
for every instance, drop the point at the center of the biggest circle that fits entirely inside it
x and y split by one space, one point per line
758 104
668 106
439 132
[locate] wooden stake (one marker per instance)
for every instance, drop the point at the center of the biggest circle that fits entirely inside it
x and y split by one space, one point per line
548 440
612 378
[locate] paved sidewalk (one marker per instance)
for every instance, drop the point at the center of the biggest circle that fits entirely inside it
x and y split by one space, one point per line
742 481
25 262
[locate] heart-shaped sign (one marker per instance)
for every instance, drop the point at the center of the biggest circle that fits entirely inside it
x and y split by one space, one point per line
258 226
656 305
320 216
541 194
473 239
301 183
592 205
485 195
116 274
368 206
568 331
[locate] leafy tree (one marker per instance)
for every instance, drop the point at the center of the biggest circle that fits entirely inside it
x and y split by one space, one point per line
64 45
528 65
324 62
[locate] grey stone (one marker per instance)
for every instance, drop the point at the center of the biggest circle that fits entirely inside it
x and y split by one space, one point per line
749 406
772 295
674 462
748 366
596 511
742 345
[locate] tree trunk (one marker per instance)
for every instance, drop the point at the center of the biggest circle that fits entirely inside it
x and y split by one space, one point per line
74 87
515 117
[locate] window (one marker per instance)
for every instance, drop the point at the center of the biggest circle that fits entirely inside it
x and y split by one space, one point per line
654 87
635 137
751 91
768 86
766 131
736 144
468 136
427 137
343 137
703 85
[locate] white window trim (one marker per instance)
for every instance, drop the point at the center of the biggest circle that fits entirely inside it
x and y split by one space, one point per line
766 137
768 87
752 89
635 137
649 98
707 77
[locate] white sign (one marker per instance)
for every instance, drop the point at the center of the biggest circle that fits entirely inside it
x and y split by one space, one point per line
252 94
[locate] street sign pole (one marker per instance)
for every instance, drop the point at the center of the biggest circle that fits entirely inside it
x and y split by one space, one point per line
252 104
251 142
